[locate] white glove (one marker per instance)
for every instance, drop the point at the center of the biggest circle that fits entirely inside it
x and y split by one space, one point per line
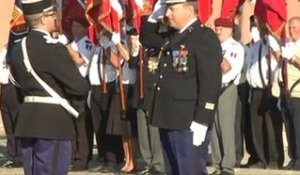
158 11
255 34
273 43
3 53
136 45
199 133
62 39
116 38
50 40
287 52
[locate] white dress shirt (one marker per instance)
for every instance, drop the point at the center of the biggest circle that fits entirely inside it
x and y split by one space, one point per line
293 73
252 62
129 75
111 73
234 54
86 49
4 69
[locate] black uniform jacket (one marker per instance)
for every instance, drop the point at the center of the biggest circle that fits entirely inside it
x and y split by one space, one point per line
53 64
180 98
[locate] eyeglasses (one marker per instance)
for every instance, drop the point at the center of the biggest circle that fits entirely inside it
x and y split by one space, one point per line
53 15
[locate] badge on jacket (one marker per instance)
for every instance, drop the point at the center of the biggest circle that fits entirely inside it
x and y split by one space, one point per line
180 59
152 64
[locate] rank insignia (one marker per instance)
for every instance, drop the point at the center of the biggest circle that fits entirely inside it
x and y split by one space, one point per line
209 106
152 64
180 60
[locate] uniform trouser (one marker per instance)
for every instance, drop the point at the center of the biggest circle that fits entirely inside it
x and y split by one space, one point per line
180 156
109 146
97 115
9 107
223 134
203 152
80 143
46 157
149 143
90 133
266 122
243 125
295 120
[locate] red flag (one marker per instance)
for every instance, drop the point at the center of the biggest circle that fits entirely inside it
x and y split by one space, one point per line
273 13
115 15
134 11
71 9
205 10
230 7
104 14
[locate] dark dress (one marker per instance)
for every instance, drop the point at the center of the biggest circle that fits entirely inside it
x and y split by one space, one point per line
124 123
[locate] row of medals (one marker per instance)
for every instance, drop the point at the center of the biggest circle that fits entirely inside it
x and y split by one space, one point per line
179 58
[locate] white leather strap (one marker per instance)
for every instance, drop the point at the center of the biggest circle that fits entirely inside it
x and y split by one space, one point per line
64 103
38 99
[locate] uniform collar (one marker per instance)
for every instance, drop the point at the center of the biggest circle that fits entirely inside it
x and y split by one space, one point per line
187 25
42 31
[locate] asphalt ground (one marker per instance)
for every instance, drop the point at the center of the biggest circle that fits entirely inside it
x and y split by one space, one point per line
95 165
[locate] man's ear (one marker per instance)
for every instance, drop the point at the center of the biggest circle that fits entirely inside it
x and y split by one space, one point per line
190 9
42 20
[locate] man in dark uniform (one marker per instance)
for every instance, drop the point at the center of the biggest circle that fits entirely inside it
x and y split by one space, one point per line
10 95
186 88
44 126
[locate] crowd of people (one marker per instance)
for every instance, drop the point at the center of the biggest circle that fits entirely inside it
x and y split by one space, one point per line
165 95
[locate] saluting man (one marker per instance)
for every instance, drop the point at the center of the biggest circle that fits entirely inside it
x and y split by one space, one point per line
223 135
45 126
187 88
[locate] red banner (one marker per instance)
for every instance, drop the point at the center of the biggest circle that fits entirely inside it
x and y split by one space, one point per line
230 8
102 15
134 11
205 10
273 13
71 9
